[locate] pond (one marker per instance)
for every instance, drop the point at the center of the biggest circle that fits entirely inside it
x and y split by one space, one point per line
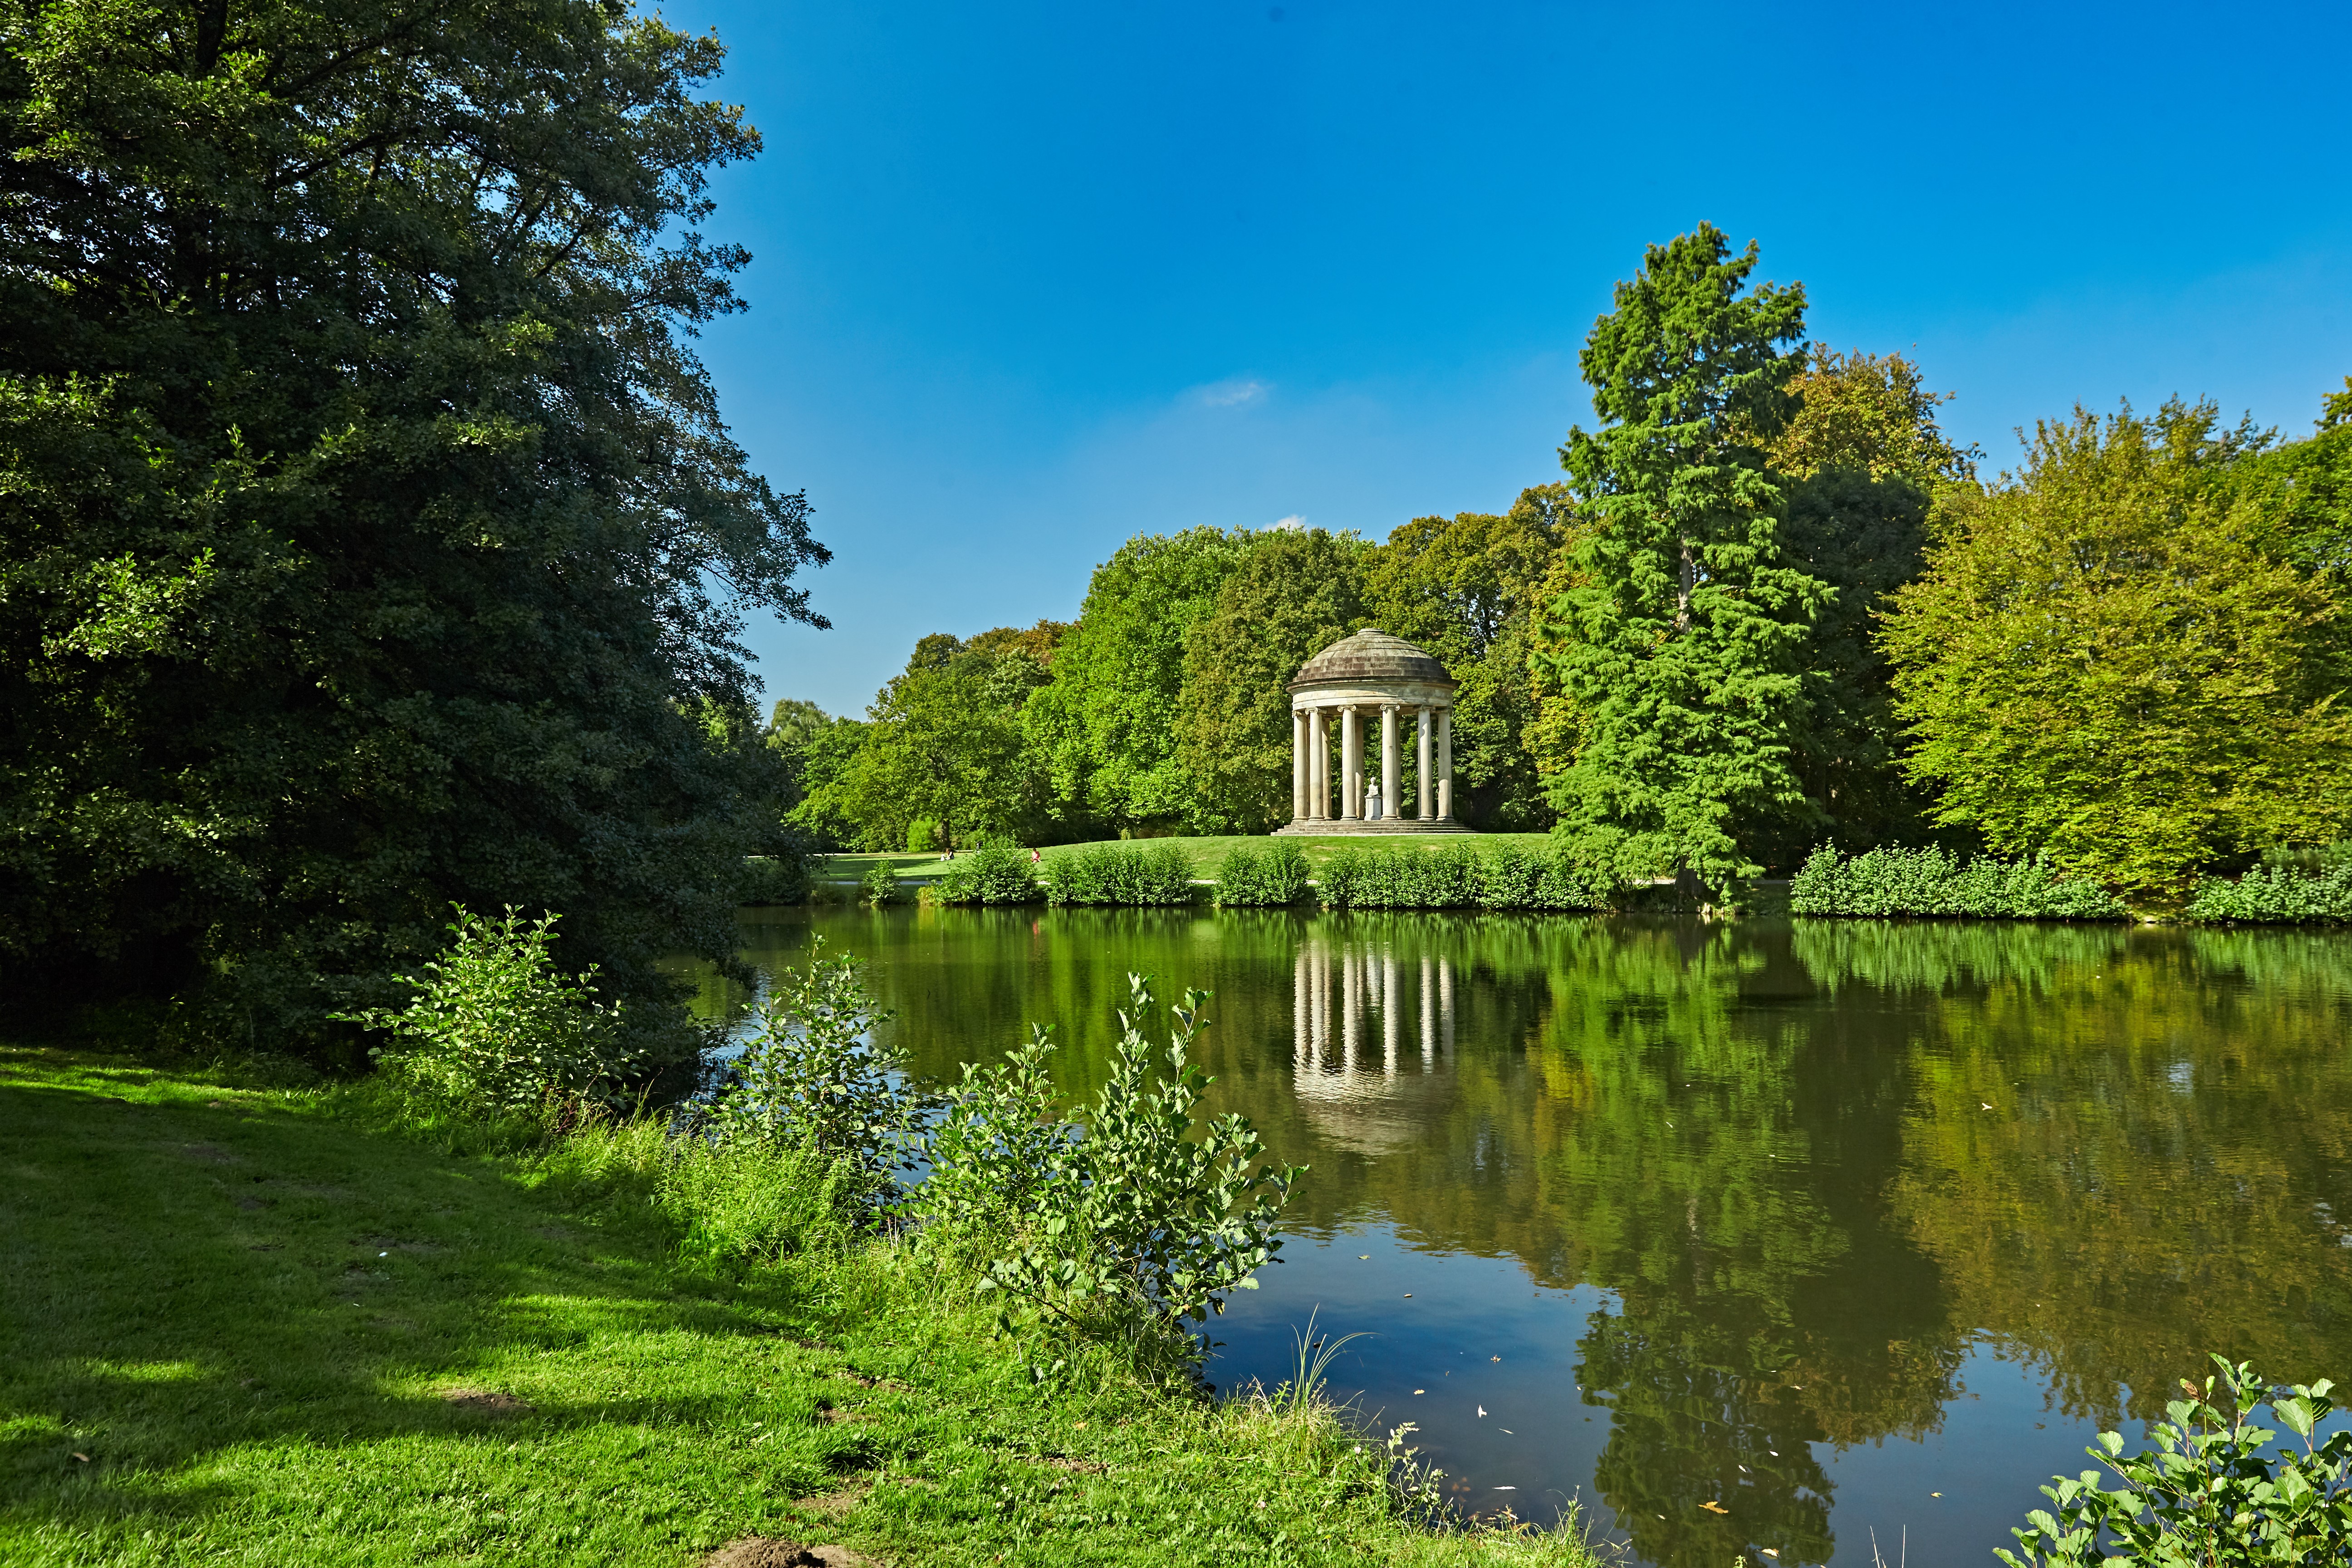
1785 1241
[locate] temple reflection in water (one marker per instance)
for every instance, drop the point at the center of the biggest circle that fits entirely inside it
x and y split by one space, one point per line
1345 996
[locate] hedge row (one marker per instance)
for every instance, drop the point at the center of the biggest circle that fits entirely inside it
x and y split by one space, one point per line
2277 895
1271 876
1455 877
1126 874
1881 882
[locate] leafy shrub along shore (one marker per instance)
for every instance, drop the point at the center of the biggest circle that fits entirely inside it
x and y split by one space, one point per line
1130 875
1270 876
1455 877
992 874
2278 895
1929 882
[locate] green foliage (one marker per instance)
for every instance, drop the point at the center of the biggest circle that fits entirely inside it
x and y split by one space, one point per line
1455 877
880 885
1272 875
2118 655
992 874
1678 642
1153 1210
2210 1493
370 537
777 879
756 1201
1896 882
495 1031
943 758
1291 594
1467 589
810 1076
1107 726
2278 895
1126 874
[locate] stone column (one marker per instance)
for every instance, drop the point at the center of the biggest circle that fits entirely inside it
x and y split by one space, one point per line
1445 764
1420 758
1318 767
1392 766
1351 765
1297 764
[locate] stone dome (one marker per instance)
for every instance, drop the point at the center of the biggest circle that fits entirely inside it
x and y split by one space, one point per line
1372 654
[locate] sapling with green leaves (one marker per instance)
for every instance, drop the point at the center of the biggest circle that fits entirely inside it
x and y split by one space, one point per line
1151 1209
494 1029
2210 1494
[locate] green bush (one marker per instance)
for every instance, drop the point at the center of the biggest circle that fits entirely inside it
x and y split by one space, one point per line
1126 874
2209 1492
1266 876
880 886
1894 881
775 879
922 835
1455 877
493 1031
1152 1210
811 1077
992 874
2278 895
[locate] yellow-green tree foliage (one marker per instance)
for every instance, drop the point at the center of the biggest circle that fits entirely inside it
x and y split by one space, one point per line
2116 655
1467 589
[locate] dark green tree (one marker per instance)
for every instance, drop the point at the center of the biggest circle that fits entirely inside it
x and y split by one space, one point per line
1108 723
369 535
1679 644
1294 593
1467 590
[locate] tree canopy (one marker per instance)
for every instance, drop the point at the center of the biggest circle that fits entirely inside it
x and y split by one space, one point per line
369 534
1678 644
2114 657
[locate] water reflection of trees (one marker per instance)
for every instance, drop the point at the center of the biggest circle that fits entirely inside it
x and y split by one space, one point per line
1771 1145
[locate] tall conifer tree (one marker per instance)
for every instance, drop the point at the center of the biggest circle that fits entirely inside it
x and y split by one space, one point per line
1679 641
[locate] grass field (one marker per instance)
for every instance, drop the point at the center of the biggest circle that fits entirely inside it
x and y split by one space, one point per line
1208 854
243 1328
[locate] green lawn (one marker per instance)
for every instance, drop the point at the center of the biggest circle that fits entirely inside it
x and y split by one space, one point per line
241 1328
1208 853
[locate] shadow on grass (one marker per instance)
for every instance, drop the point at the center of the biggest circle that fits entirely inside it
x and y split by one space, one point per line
183 1279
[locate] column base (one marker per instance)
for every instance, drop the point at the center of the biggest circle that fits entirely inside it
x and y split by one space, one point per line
1335 827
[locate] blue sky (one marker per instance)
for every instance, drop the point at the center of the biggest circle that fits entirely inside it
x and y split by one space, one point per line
1028 280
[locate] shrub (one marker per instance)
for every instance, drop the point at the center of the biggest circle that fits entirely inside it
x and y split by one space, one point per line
881 885
992 874
494 1030
811 1077
1127 874
1265 876
922 835
2209 1492
776 878
2278 895
1152 1210
1455 876
1894 881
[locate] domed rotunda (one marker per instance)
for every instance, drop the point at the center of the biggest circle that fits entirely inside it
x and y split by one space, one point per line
1357 678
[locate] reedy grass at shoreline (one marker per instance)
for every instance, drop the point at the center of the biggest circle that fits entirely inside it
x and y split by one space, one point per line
281 1331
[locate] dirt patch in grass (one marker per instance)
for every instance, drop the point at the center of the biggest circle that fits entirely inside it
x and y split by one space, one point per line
486 1400
758 1552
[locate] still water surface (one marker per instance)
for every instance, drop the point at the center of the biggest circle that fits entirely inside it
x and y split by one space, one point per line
1809 1221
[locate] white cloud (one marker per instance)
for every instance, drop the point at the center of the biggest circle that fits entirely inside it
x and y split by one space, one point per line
1233 394
1292 521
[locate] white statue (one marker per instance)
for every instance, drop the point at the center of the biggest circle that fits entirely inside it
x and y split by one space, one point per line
1372 803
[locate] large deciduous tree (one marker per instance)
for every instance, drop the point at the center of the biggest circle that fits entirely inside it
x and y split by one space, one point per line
2132 654
369 535
1678 644
1109 722
1467 590
1294 593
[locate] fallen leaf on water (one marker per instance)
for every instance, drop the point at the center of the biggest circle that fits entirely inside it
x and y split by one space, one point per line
1494 1358
1769 1550
1714 1508
1506 1432
1407 1295
83 1458
1935 1494
1361 1255
1420 1390
1482 1412
1507 1488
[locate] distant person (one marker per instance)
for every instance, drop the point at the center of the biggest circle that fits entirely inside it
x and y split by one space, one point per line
1036 856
